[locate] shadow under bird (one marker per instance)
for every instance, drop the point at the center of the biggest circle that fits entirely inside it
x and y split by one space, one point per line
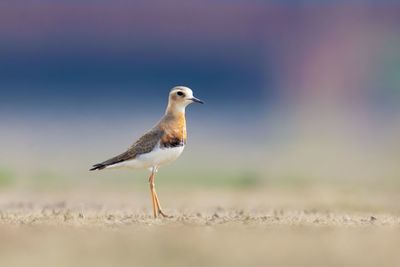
163 144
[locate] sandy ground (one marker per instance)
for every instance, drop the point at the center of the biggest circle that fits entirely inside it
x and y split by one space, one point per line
253 228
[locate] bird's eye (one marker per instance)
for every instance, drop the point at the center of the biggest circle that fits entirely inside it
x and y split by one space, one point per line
180 93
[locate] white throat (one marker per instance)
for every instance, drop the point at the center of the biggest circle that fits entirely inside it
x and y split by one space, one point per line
176 108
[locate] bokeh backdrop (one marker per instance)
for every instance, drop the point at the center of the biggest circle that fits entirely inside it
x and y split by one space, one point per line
298 93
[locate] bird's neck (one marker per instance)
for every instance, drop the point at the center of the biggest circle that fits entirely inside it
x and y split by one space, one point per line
175 110
174 122
175 118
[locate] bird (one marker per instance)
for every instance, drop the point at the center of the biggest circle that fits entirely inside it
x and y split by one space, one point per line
161 145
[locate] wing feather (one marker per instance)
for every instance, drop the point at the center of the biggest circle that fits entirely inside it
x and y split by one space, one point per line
143 145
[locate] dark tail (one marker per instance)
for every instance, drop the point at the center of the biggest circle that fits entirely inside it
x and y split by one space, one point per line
99 166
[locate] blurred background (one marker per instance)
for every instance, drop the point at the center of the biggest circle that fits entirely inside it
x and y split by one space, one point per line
298 93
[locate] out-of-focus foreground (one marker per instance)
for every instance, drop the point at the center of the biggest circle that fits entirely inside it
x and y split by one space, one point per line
314 227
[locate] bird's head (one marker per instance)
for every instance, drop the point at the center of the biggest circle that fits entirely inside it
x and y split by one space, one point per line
180 97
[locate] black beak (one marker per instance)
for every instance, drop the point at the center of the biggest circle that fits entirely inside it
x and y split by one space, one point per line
196 100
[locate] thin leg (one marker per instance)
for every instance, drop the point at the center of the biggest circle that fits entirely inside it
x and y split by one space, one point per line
156 202
159 206
153 197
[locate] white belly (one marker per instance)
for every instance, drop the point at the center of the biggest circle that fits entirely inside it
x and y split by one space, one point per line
156 158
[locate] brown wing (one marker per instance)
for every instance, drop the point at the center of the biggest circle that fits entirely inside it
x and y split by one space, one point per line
143 145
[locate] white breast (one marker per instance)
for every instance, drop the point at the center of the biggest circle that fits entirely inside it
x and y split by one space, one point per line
156 158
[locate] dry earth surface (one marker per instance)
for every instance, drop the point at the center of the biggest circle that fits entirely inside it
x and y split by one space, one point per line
238 228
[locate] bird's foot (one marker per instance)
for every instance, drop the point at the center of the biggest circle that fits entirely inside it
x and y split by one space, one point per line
164 215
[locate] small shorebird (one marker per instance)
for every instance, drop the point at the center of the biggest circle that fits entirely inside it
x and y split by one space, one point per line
163 144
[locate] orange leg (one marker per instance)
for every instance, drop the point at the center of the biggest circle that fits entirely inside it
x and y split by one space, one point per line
153 198
159 206
156 202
